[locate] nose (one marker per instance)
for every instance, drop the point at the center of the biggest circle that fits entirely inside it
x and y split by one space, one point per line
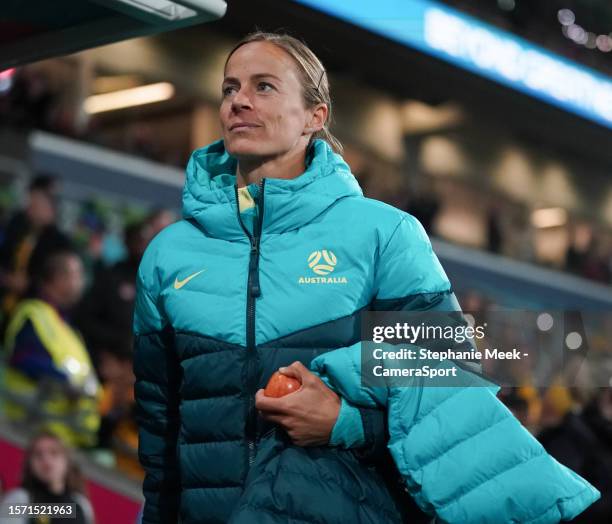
241 100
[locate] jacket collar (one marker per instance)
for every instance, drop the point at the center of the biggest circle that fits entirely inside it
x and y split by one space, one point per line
209 192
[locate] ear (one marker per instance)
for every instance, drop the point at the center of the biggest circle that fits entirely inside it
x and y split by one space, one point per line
318 117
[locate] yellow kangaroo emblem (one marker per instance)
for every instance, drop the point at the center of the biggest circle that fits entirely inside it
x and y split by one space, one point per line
178 284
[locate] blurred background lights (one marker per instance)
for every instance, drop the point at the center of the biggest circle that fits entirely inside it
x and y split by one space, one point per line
576 33
545 321
6 79
506 5
604 43
131 97
573 340
581 36
549 217
590 41
566 17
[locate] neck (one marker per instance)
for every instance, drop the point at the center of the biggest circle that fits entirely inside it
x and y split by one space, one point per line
48 294
288 165
57 487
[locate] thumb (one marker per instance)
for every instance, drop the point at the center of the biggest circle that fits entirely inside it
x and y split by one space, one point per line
296 370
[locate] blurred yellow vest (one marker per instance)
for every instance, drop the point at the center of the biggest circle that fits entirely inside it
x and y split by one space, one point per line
73 416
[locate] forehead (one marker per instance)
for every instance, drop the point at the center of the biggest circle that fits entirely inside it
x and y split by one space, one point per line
258 58
45 444
72 263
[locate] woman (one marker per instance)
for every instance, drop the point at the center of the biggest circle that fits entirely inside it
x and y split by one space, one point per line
277 255
50 476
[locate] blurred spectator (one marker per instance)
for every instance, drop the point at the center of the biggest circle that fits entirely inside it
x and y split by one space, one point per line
50 381
519 239
105 318
588 256
517 403
596 265
159 219
424 206
50 476
118 431
89 234
29 235
580 237
583 442
31 99
105 315
494 231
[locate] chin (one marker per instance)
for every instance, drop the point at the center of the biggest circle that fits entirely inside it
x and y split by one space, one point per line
244 147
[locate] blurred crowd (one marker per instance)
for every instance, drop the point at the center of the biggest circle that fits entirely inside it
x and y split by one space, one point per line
66 324
588 253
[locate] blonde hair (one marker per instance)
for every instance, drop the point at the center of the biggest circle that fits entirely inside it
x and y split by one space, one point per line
315 84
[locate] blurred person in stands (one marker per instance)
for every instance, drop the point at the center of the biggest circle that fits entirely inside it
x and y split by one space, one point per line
118 431
580 238
50 381
105 318
495 238
88 235
106 312
30 233
160 219
50 476
242 287
582 439
597 262
31 99
424 205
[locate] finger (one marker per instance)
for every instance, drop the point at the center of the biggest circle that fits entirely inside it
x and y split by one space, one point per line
275 418
290 371
297 370
270 404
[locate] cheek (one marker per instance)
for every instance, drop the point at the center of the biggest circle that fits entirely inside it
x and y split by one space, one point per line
224 112
289 118
36 465
61 466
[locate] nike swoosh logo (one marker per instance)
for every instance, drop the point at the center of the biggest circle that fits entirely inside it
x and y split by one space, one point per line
178 284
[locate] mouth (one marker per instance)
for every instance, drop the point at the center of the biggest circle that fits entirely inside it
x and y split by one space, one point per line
242 126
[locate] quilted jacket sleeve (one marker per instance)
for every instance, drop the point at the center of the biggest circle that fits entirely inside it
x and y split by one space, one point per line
466 458
156 392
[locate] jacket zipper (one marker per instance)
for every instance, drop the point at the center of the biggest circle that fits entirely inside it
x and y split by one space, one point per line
253 292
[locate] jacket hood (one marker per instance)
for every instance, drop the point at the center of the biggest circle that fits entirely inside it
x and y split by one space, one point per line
209 195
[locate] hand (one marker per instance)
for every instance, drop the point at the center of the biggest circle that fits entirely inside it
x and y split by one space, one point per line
308 415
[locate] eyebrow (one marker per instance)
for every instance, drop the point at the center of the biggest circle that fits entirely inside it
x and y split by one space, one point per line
255 76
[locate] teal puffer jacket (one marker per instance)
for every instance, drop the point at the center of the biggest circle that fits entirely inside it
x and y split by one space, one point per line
225 300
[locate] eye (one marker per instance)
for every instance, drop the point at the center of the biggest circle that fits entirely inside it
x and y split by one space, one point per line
226 90
264 84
